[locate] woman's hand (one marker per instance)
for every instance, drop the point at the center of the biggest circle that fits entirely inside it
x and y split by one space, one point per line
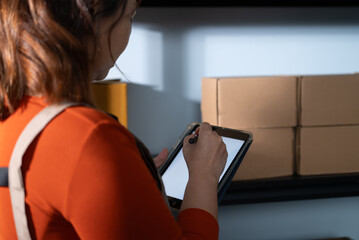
207 157
161 158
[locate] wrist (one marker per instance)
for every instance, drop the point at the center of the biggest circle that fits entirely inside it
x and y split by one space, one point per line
203 178
201 192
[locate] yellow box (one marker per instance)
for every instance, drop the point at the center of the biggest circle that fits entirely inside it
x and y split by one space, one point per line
111 96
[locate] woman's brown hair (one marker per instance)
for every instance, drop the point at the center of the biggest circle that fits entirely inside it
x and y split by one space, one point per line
45 48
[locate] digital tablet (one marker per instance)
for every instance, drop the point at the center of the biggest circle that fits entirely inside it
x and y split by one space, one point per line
175 173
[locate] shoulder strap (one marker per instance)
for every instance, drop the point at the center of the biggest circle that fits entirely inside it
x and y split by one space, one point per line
16 184
147 158
4 177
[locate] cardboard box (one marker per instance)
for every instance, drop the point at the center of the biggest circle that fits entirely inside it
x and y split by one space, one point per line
265 106
111 97
329 100
250 102
326 106
327 150
270 155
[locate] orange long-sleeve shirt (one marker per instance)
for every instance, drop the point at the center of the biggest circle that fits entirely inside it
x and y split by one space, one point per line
84 178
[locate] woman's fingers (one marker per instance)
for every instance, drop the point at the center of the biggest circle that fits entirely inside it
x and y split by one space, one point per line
208 155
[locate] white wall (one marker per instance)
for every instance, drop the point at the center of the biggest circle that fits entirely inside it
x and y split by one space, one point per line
172 49
292 220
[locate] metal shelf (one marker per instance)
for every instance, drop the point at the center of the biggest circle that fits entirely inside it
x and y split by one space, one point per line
292 188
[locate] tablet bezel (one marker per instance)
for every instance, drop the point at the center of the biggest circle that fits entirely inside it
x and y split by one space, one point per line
227 177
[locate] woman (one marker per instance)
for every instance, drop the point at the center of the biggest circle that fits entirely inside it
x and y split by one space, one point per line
85 176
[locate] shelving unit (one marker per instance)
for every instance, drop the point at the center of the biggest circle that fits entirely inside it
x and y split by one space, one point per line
251 3
295 187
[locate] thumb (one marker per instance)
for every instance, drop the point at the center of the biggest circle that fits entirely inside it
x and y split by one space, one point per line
161 157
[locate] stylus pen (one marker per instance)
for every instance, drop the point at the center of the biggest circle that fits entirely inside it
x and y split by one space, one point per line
193 140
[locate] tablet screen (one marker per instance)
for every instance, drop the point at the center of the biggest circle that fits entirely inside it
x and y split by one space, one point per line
176 176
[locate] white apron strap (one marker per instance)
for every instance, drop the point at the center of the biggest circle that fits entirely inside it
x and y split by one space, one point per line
16 184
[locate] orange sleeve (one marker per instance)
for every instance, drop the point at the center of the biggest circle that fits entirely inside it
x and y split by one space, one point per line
198 224
112 195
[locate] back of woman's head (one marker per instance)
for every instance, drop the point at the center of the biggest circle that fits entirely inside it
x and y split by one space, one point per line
47 47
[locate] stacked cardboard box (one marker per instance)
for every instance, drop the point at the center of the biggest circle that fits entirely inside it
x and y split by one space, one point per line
265 106
307 125
328 136
111 96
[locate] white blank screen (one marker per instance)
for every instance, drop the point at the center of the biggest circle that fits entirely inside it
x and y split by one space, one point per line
176 176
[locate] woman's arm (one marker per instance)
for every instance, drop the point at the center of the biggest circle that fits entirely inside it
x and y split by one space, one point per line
205 160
